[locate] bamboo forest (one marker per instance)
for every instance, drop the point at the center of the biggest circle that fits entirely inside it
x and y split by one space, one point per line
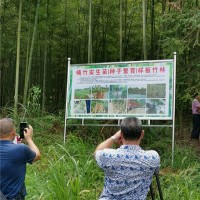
38 38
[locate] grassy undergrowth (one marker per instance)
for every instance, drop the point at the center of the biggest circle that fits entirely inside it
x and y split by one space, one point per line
69 172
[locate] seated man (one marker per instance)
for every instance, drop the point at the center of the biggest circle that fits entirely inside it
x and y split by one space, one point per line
13 159
128 169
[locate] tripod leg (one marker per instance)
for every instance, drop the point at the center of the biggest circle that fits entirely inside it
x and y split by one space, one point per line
159 187
151 191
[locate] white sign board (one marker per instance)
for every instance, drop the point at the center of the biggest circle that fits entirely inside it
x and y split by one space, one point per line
117 90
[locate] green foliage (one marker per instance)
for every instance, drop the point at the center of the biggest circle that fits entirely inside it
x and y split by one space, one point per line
63 29
68 171
183 184
33 102
33 108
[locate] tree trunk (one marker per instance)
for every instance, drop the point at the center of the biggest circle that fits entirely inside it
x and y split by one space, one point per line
197 3
17 60
120 32
27 78
90 33
144 29
163 6
28 42
104 33
45 60
152 29
162 27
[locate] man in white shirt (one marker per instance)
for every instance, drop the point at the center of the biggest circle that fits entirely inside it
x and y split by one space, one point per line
128 169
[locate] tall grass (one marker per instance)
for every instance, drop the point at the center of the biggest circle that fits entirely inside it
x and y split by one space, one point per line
183 185
69 172
66 172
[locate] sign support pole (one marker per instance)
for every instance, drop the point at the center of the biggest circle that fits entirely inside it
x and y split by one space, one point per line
66 104
174 101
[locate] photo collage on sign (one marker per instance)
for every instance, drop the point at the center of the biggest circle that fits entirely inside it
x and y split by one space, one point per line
149 99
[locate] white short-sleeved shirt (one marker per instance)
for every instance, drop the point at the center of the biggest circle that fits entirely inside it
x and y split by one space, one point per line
128 172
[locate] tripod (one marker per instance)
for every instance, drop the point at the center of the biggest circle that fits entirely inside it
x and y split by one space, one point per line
158 185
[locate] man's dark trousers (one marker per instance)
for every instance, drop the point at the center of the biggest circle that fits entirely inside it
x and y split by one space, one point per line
196 126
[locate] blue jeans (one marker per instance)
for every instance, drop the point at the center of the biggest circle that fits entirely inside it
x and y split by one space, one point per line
196 126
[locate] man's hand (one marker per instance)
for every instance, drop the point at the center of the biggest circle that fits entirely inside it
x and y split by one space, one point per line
118 138
28 133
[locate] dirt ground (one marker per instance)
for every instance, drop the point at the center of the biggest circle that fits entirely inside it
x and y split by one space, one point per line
195 144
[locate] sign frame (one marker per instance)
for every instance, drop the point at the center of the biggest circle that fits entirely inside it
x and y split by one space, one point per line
149 119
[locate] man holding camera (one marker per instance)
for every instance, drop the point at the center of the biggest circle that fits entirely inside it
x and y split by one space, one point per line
128 169
13 159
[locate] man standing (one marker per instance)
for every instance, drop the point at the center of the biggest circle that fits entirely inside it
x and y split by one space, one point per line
13 159
196 117
128 169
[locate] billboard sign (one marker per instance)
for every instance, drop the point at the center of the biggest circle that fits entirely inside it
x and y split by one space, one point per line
117 90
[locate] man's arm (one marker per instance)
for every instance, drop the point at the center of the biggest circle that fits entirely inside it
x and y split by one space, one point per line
198 108
28 134
115 139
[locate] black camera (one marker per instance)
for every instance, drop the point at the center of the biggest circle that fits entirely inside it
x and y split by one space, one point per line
22 127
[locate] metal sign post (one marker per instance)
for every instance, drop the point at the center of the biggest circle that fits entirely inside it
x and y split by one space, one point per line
174 102
66 103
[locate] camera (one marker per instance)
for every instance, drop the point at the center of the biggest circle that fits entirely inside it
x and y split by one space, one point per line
22 127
